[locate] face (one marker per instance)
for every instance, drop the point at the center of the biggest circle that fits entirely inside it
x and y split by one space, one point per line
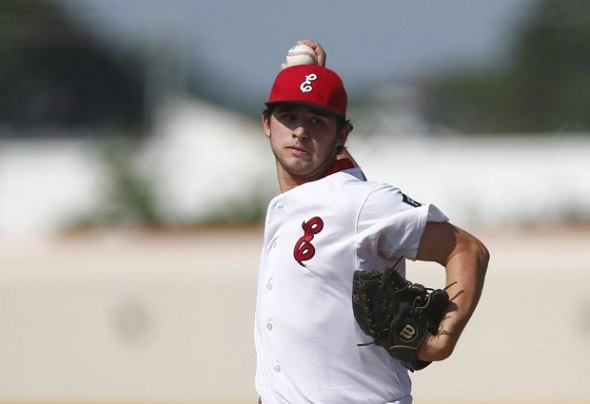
304 142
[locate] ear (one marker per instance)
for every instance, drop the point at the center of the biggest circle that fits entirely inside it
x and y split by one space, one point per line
342 136
266 124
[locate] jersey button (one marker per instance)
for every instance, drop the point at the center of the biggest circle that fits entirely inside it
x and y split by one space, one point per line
269 326
269 285
277 368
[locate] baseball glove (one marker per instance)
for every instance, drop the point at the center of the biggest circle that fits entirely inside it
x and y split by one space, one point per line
397 313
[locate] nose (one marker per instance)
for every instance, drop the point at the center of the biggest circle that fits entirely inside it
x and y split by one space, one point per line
300 133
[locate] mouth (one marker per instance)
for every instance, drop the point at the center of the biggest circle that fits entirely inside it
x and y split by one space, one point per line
298 151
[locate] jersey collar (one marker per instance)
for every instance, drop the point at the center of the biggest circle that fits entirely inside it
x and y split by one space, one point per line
339 165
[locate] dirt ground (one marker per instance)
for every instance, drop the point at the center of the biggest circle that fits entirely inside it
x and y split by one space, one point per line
132 316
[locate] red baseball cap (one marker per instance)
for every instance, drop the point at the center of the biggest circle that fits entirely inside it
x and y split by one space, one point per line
313 85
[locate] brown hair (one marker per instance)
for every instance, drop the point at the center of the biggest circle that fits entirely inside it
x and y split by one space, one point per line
341 121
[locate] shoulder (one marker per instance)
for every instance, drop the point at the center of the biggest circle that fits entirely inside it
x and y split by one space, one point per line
374 195
389 196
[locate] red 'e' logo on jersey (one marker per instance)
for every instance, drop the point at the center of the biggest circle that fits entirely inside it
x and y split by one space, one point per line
304 250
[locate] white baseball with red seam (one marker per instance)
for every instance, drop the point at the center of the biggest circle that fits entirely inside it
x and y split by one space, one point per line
301 55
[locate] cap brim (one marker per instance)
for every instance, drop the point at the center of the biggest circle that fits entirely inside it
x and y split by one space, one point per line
307 104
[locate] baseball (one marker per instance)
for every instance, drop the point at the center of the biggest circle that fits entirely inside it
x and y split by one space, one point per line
301 55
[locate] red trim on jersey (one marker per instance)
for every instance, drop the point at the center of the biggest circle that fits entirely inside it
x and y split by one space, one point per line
339 165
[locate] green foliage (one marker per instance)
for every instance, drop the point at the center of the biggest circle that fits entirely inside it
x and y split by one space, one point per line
127 196
130 194
552 61
545 88
469 102
248 208
54 72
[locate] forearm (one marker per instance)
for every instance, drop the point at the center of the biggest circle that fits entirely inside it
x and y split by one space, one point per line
465 274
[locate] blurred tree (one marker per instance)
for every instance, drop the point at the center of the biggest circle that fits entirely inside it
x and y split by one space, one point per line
53 72
545 88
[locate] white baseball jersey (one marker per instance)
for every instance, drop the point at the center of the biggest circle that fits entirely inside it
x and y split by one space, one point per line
316 236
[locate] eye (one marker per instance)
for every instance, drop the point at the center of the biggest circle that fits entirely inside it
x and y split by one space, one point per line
318 121
286 117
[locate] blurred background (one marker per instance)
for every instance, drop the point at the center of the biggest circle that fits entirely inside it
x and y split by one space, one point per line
134 179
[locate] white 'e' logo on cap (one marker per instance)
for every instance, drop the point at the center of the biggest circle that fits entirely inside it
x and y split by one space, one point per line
305 87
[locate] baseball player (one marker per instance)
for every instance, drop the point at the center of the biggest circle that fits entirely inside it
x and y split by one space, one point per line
327 222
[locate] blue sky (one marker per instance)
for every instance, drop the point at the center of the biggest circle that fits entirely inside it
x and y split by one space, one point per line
367 42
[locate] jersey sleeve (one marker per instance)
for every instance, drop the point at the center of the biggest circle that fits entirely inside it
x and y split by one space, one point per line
391 224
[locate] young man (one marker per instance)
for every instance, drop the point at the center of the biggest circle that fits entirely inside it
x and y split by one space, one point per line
326 223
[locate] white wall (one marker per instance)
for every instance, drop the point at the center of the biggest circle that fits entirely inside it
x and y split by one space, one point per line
490 180
200 156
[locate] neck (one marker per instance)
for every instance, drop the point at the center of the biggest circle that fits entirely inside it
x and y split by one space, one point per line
288 181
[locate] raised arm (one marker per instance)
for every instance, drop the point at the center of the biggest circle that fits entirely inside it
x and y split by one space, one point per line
322 58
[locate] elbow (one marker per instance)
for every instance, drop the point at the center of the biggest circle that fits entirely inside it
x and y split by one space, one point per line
470 246
474 253
482 258
483 255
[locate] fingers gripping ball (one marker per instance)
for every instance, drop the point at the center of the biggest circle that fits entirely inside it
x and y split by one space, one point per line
397 313
301 55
